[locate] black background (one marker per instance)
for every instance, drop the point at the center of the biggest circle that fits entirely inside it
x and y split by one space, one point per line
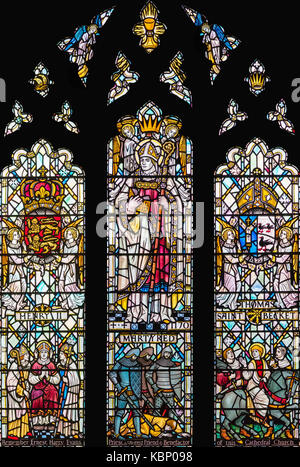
29 34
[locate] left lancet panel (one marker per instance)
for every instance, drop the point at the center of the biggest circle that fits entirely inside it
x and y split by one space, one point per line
42 298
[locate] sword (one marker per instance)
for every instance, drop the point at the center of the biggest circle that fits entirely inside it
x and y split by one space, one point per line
148 401
132 405
171 409
232 386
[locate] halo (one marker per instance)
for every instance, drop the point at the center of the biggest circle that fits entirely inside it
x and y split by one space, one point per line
227 230
170 126
259 347
11 230
127 125
127 120
73 229
286 228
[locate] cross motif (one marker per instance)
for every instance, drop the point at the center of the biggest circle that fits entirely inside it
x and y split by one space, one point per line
43 171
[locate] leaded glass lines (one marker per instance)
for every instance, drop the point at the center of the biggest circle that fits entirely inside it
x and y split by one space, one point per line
256 298
149 359
42 298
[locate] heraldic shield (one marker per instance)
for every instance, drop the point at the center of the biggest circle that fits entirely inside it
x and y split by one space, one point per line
42 201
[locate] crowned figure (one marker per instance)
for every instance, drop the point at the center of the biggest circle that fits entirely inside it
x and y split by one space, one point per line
44 378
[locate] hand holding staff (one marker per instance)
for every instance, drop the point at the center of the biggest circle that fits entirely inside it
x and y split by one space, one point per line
14 353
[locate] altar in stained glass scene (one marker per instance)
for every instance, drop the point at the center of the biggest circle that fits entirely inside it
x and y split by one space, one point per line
42 298
149 281
257 298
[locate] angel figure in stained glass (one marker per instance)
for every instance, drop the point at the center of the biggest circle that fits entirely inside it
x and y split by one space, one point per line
44 379
69 280
218 44
13 275
286 275
146 204
228 275
80 46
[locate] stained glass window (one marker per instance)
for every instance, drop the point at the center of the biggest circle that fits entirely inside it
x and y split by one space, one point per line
149 280
42 297
256 297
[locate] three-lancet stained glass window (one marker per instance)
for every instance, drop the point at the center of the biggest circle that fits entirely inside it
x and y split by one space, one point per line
149 189
42 298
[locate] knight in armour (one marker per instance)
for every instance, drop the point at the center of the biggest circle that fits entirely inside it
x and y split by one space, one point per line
165 378
126 377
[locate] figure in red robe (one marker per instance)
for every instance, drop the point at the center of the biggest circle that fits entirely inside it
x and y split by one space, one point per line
230 370
150 275
44 378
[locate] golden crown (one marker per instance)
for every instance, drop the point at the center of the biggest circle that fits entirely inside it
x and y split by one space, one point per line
257 80
150 125
41 82
42 193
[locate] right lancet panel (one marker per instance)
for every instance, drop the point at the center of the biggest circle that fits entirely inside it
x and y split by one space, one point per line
256 297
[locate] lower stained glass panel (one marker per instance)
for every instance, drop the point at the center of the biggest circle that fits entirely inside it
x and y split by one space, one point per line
149 389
